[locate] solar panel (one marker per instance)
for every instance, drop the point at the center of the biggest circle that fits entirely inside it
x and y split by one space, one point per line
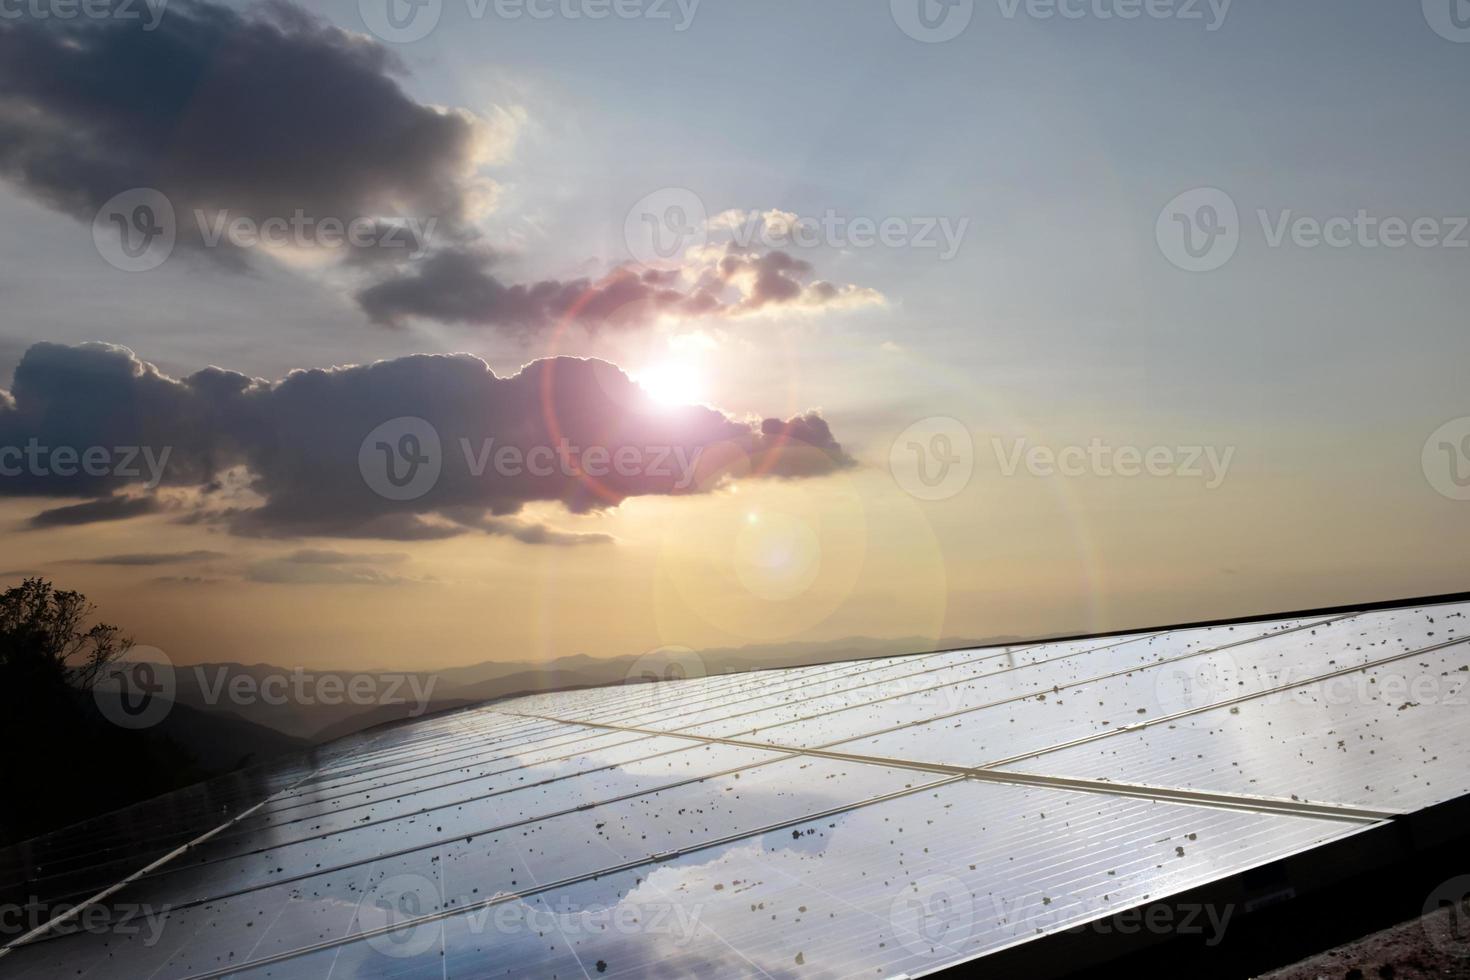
875 818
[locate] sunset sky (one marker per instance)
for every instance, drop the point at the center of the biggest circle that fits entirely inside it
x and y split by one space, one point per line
1027 291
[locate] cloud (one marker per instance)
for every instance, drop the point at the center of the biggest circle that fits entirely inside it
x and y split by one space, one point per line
287 572
314 454
456 285
261 114
152 558
277 120
322 556
530 533
115 508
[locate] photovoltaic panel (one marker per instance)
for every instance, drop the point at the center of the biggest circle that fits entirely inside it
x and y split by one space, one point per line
807 821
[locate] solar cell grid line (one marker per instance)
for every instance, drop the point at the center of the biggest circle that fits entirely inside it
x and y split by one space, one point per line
774 682
476 724
1085 649
501 899
778 684
1280 689
279 809
549 739
474 751
316 785
987 772
396 751
448 740
633 695
767 682
452 750
584 806
520 762
472 779
677 693
1021 697
546 736
1322 744
798 803
1198 709
484 831
594 699
825 750
941 686
422 731
414 733
441 778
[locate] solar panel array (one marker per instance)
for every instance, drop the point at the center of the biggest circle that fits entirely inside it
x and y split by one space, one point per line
873 818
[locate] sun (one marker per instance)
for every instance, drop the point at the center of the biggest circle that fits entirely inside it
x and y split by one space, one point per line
672 383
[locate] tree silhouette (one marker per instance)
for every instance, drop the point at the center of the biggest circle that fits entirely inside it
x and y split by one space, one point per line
44 642
63 760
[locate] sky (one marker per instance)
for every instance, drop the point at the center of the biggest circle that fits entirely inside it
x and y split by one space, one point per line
984 319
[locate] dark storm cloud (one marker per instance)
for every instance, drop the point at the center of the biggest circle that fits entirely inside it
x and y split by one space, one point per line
314 452
260 114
